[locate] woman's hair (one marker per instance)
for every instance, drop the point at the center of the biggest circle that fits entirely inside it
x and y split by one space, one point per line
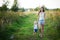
43 9
40 9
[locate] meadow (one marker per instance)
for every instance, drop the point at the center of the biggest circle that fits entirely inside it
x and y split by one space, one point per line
21 27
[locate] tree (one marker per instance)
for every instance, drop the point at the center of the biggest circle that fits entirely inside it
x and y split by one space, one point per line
4 6
31 9
45 7
37 9
22 9
15 6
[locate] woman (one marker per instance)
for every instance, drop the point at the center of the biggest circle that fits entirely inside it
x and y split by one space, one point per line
41 20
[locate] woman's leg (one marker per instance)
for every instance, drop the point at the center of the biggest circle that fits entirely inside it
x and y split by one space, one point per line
39 26
42 30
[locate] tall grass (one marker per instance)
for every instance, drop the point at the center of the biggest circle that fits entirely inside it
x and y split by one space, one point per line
52 27
21 27
9 23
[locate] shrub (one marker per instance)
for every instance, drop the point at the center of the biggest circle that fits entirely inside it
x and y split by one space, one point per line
9 24
53 28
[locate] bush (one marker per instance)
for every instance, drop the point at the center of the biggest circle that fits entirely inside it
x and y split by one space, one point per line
22 9
9 24
53 28
37 9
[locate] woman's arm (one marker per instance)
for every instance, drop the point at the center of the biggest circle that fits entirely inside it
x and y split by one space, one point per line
38 13
38 16
44 14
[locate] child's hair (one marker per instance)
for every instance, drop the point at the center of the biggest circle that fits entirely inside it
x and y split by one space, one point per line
35 22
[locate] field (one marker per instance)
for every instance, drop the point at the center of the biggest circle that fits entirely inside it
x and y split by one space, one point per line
26 30
22 26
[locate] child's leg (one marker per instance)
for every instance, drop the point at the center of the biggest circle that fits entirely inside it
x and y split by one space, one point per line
34 33
35 30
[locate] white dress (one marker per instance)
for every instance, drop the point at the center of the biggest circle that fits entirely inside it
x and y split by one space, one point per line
35 26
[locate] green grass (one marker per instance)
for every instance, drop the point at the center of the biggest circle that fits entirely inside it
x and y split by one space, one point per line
22 28
26 30
25 26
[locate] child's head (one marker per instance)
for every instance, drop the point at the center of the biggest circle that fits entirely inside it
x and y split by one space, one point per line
35 22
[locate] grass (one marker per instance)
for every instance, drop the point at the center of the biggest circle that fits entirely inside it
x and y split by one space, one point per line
22 27
26 30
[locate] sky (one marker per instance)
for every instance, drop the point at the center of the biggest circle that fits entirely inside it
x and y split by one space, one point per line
50 4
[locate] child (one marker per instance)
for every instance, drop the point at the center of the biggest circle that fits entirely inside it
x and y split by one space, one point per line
35 27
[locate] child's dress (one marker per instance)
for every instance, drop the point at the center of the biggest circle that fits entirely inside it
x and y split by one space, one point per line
35 28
